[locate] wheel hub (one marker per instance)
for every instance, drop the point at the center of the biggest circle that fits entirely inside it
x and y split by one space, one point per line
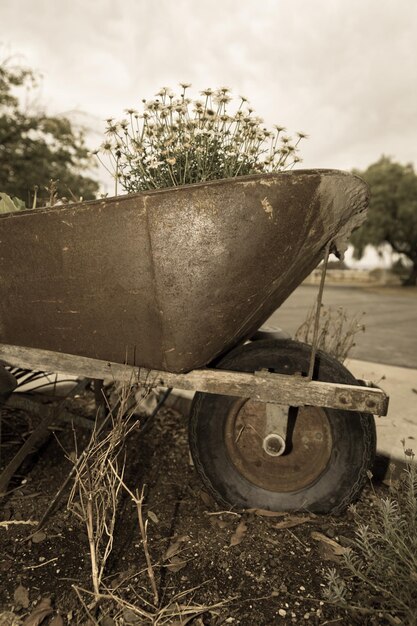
273 456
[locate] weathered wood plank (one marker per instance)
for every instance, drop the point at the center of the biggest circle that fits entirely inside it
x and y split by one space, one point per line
264 387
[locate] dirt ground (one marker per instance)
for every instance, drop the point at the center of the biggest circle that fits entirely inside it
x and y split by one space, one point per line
210 567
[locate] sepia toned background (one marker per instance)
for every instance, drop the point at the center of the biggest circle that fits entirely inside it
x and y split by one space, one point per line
343 72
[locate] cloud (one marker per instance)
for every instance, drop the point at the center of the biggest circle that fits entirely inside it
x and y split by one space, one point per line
344 72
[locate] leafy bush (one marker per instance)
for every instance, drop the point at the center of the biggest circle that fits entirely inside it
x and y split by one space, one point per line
177 141
9 205
36 147
383 559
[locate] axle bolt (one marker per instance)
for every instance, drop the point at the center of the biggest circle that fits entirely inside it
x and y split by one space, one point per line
273 444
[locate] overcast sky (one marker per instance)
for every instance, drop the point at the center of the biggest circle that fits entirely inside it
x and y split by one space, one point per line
344 71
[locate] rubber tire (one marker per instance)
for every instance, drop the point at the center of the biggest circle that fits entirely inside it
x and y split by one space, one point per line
353 437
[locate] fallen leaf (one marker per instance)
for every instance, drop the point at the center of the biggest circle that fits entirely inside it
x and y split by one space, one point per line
21 596
239 533
265 513
206 498
56 621
220 523
335 547
153 517
327 554
42 609
175 547
38 536
176 564
293 520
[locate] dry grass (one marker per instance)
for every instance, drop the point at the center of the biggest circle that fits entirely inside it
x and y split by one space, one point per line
95 492
94 500
337 331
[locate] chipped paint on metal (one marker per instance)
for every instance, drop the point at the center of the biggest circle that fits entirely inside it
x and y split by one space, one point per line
268 208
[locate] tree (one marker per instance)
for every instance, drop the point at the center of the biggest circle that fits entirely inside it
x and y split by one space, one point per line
392 215
36 148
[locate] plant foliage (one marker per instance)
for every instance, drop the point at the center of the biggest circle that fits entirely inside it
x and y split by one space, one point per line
176 141
36 148
392 215
9 205
384 557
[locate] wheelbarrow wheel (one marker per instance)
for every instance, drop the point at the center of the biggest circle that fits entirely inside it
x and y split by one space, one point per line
327 452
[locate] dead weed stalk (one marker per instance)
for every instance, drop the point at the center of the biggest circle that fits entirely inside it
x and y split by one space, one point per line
143 527
337 331
95 492
177 612
94 499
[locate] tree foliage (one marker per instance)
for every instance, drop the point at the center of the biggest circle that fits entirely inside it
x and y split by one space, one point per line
392 215
36 148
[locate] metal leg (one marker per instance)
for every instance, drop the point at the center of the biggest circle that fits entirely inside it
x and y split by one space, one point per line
318 309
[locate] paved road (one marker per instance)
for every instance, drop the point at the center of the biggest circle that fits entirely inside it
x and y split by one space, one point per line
390 319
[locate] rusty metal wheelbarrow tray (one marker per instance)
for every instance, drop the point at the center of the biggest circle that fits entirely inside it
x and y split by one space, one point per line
169 279
151 288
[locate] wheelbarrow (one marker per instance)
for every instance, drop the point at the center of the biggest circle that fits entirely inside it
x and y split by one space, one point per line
167 287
